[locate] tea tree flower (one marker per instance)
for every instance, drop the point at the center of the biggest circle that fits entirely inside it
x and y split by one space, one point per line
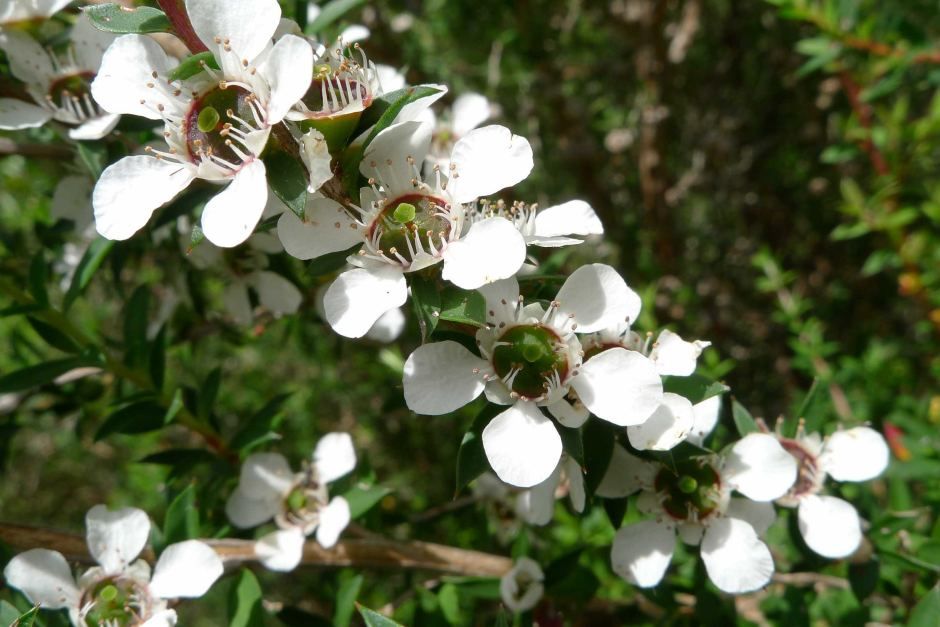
59 83
120 590
216 124
692 498
530 357
299 502
537 504
829 525
549 228
521 588
406 224
13 12
468 111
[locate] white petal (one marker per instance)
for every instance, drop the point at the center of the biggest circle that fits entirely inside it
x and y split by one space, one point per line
16 114
521 588
706 417
71 200
522 445
357 298
130 190
574 217
275 293
568 415
245 511
619 386
334 456
857 454
575 483
29 61
390 79
598 298
537 504
315 153
44 577
352 34
163 618
89 43
642 551
281 550
759 515
759 468
95 128
669 425
439 378
735 558
185 570
288 70
469 111
674 356
115 539
625 475
126 69
492 249
237 303
489 159
413 110
20 11
394 144
231 215
501 298
264 475
829 525
327 229
248 26
333 519
388 327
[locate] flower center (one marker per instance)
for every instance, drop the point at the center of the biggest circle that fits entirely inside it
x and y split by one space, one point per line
807 477
529 358
73 87
329 95
116 601
301 507
209 124
411 224
690 490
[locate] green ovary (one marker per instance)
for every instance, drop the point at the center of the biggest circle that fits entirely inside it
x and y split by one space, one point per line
114 602
690 490
536 353
206 123
409 218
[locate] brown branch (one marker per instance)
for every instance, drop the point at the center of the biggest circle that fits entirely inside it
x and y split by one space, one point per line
864 114
360 553
43 151
811 579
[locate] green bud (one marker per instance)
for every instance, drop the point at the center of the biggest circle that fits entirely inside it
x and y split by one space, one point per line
404 213
688 485
208 119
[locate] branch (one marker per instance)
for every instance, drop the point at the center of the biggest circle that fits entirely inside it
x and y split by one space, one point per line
48 151
360 553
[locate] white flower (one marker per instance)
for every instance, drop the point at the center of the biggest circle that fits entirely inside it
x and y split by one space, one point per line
537 504
299 503
406 224
829 525
532 358
119 590
469 111
548 228
216 123
521 588
15 11
59 84
692 498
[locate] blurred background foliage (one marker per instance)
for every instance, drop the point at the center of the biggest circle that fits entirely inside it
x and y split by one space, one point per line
766 173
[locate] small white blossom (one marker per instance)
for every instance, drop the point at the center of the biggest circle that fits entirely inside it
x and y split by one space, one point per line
121 589
522 587
299 503
13 12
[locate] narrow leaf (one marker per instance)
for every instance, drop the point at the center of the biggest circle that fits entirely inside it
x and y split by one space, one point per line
373 619
86 269
245 609
114 18
40 374
330 12
362 499
138 417
346 601
182 517
743 420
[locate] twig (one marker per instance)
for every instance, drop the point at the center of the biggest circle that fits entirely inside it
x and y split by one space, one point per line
811 579
863 112
46 151
176 12
362 553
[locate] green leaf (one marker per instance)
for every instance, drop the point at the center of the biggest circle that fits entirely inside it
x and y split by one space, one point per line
94 156
362 499
598 439
462 306
40 374
180 457
694 387
38 275
27 619
209 393
8 613
571 441
927 610
863 578
52 336
374 619
471 458
743 420
329 13
616 509
346 600
157 363
448 598
182 517
426 300
86 269
288 178
259 428
136 315
192 66
244 601
331 262
114 18
137 417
